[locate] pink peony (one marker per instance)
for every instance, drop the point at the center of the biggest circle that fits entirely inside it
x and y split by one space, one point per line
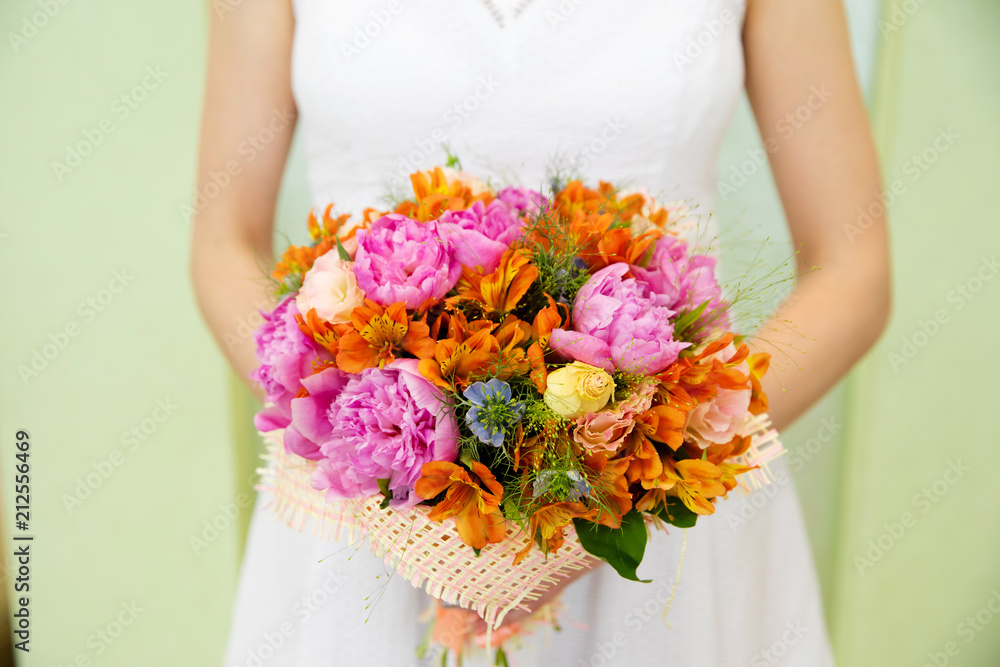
309 427
331 288
480 234
472 248
381 424
719 420
606 431
617 327
403 260
286 356
524 201
683 282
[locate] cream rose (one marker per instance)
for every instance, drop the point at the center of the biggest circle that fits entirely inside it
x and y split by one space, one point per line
331 288
578 388
720 419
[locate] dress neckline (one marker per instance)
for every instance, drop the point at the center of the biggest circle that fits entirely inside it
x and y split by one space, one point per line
506 18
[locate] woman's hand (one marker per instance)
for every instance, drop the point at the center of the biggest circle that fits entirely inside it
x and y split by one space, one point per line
518 616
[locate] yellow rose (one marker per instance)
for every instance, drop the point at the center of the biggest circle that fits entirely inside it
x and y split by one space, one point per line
578 388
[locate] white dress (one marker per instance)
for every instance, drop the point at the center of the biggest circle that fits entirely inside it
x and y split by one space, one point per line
631 91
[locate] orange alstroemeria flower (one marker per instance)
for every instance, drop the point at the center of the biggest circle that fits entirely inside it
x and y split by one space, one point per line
659 219
379 334
331 226
575 220
730 471
296 260
473 498
589 214
660 424
453 323
575 198
511 336
759 363
697 379
646 462
551 317
587 230
325 334
720 454
619 245
499 292
548 523
452 627
652 500
695 482
434 194
474 349
455 360
528 453
539 371
299 259
700 481
609 482
664 423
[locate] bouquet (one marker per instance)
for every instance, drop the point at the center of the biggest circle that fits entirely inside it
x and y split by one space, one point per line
500 386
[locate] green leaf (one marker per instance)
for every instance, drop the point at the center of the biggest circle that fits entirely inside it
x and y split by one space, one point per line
501 660
478 551
686 319
383 486
677 514
647 256
622 549
342 251
467 458
453 162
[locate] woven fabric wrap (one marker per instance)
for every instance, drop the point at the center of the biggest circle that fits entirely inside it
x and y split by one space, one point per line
430 555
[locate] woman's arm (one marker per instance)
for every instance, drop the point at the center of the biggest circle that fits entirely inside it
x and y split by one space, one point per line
247 126
824 163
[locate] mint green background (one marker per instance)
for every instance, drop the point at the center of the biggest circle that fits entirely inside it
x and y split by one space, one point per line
940 71
60 243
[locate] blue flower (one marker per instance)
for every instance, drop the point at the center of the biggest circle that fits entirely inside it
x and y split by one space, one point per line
565 485
492 412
